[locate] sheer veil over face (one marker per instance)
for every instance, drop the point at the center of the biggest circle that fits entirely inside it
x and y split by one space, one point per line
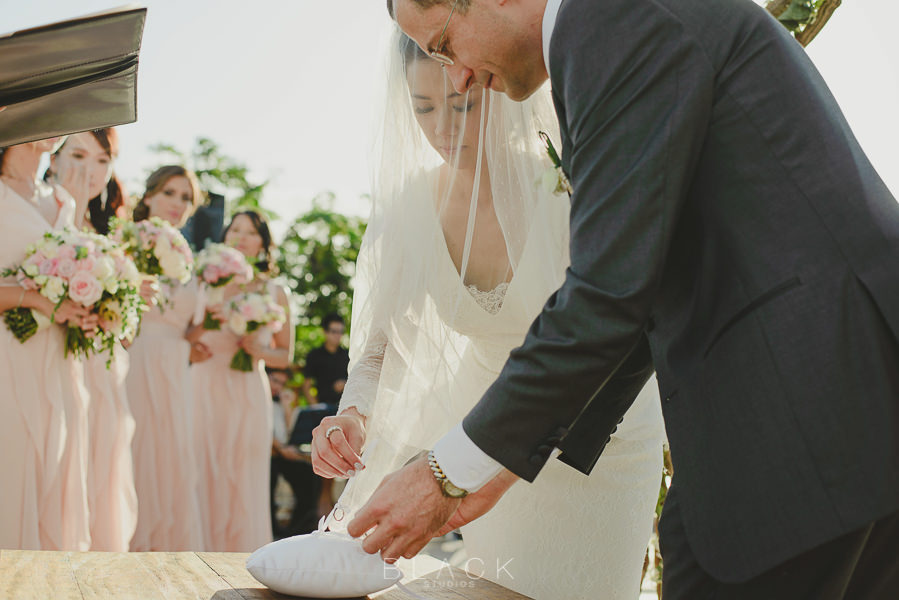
463 247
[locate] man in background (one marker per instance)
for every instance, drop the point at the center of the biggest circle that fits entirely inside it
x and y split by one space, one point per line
326 366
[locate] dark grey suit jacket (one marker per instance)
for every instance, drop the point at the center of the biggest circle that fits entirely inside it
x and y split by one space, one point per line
724 212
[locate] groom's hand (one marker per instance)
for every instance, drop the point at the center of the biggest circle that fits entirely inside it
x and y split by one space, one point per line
480 502
406 511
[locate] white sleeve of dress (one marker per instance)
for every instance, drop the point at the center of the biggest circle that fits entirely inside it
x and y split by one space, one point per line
361 387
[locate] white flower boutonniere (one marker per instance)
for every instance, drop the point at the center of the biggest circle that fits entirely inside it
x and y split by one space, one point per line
555 179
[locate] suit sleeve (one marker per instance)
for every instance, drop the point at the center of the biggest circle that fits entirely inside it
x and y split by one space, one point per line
636 93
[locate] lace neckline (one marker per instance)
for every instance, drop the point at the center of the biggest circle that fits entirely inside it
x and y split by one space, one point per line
491 300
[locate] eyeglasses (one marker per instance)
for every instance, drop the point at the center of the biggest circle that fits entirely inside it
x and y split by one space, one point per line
440 54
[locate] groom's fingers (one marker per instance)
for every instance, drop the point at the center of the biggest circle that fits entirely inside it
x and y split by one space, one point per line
364 520
405 546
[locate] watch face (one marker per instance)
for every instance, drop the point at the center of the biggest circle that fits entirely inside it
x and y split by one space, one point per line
452 490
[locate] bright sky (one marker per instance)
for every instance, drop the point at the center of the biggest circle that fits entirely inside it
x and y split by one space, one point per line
287 86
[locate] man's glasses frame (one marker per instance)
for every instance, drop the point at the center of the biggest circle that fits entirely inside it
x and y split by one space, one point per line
440 54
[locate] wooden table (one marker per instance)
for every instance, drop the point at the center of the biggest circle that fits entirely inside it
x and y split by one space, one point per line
32 575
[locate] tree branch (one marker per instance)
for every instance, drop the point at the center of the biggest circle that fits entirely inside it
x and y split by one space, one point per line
825 11
776 7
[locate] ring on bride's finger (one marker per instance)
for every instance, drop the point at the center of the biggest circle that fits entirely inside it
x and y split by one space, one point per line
331 430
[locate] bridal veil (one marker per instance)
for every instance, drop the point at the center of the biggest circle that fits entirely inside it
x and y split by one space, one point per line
464 245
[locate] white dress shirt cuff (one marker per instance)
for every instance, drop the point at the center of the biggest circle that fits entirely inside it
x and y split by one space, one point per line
463 463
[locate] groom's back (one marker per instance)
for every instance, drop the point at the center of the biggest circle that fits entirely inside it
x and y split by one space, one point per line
775 326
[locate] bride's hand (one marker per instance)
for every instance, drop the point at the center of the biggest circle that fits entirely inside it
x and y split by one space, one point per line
339 454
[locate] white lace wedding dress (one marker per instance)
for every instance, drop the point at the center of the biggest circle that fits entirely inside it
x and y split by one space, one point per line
565 536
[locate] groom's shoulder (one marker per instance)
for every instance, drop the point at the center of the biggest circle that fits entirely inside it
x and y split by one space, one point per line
618 22
591 37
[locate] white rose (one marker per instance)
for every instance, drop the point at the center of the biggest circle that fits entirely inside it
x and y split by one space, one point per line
104 268
163 247
50 250
259 305
173 266
237 324
130 273
32 270
53 289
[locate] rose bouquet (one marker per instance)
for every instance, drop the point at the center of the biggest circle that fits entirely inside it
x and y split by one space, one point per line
156 247
217 266
89 269
248 312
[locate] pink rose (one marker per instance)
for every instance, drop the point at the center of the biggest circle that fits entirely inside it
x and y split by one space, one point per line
27 283
85 289
66 267
212 274
87 264
66 252
48 267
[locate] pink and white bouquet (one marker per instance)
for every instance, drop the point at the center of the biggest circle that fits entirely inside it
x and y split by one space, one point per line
217 266
156 247
248 312
90 270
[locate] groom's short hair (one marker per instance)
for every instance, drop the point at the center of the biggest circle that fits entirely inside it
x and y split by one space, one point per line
462 5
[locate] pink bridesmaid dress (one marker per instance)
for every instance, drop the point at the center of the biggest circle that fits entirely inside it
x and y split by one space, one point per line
233 436
110 477
159 392
43 416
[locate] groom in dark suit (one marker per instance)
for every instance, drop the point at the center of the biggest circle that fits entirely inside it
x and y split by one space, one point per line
726 228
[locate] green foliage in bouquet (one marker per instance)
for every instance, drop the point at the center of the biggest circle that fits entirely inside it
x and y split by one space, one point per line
242 361
21 322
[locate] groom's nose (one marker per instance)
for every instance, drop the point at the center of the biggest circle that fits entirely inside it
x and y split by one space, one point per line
461 77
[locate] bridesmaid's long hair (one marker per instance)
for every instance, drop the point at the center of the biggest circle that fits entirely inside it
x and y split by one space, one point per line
99 212
265 263
157 180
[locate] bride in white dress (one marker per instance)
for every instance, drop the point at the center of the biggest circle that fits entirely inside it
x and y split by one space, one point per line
464 246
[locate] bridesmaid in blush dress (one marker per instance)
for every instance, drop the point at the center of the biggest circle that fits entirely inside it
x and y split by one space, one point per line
83 165
233 426
43 422
159 390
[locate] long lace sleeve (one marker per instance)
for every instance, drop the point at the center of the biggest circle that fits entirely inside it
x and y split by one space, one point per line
362 384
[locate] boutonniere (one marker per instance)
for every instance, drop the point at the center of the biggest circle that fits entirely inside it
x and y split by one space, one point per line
555 179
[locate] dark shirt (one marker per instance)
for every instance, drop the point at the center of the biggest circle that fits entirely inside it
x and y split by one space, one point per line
325 368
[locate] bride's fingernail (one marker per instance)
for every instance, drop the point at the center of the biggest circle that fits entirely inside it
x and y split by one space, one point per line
359 466
350 473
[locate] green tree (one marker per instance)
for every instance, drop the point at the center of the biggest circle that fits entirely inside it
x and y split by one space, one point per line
220 173
804 18
318 259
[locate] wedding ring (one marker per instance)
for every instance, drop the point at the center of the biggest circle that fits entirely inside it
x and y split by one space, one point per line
331 430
